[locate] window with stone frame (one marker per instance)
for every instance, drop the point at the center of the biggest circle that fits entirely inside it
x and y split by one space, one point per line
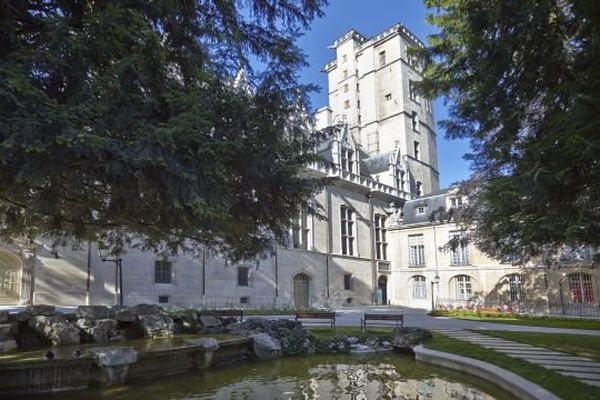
581 288
463 287
412 91
416 251
382 60
301 231
347 223
347 159
380 237
400 178
419 287
515 288
347 281
163 271
459 254
414 121
419 188
243 276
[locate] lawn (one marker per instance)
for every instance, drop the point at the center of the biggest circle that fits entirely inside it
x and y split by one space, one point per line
514 319
581 345
564 387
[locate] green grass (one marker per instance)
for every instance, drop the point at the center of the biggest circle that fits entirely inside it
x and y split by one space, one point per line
350 331
562 386
514 319
580 345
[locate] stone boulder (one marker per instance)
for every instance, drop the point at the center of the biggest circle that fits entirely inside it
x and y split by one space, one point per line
124 314
210 321
156 325
265 346
41 309
62 333
207 344
407 338
113 362
292 336
3 317
148 309
7 345
93 312
42 324
21 316
8 330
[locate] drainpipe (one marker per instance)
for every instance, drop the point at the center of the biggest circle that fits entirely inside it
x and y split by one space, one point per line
203 276
329 237
89 274
435 258
372 238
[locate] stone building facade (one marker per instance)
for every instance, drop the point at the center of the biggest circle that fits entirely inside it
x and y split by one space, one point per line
375 245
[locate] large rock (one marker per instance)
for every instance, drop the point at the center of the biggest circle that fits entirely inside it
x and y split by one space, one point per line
113 362
84 323
42 324
7 345
93 312
8 330
407 338
21 316
41 309
156 325
210 321
124 314
3 317
265 346
62 333
148 309
207 344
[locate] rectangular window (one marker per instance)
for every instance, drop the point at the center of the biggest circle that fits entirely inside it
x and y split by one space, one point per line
380 237
464 289
417 150
348 282
388 97
460 254
344 58
345 87
416 250
346 103
345 74
347 160
414 121
428 108
456 202
347 228
244 300
400 179
419 188
421 210
163 299
419 287
163 271
301 231
412 91
382 59
243 273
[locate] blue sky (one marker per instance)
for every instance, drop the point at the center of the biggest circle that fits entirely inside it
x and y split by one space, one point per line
371 17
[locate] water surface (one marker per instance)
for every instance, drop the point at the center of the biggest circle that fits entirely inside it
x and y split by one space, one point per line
388 376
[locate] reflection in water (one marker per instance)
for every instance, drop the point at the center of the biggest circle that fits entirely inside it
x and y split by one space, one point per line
389 376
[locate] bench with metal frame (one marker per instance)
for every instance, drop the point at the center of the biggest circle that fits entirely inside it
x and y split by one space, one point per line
317 317
384 320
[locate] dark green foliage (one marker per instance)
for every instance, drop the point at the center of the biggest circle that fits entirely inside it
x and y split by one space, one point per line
121 120
523 84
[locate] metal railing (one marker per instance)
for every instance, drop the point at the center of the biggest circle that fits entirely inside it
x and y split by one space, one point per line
540 308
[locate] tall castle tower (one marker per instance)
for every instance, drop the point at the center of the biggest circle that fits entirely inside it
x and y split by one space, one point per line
371 90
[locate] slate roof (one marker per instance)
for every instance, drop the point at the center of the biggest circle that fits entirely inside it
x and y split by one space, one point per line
432 202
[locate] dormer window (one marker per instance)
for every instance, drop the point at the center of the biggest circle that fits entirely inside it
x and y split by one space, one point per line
400 179
347 159
421 210
456 202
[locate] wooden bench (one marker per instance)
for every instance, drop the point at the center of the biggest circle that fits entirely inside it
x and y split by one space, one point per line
318 317
237 314
489 310
383 320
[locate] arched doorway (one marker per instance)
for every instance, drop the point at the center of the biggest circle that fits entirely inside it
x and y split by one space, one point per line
381 295
10 278
301 290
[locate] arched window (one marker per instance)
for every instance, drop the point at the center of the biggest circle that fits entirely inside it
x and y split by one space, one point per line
515 287
419 287
463 287
581 289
